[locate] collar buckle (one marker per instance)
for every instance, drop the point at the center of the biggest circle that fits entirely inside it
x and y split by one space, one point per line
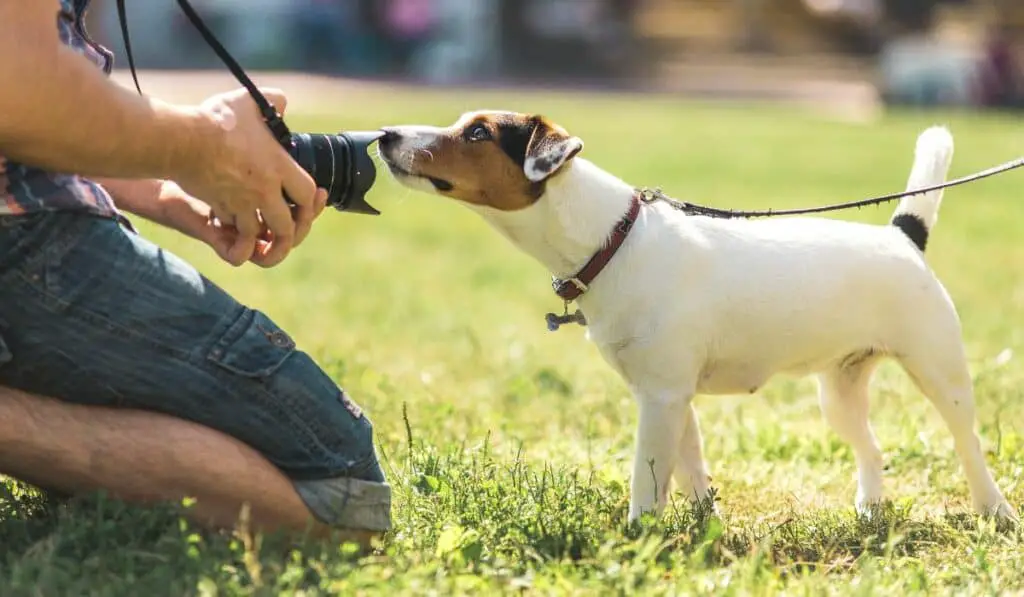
578 284
565 286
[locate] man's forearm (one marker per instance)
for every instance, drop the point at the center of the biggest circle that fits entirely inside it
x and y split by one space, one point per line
58 111
138 196
161 202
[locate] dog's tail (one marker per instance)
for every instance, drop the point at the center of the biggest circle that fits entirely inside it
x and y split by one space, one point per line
916 215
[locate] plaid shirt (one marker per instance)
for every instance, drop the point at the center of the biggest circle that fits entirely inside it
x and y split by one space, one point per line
25 189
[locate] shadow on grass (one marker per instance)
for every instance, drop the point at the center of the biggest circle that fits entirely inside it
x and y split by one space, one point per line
823 540
52 545
477 511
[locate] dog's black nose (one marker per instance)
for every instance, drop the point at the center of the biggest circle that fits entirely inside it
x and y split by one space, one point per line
391 135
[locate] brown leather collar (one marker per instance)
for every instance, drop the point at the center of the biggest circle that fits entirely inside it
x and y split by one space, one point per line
572 288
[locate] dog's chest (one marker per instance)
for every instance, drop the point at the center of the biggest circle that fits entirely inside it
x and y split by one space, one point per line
689 353
642 363
731 377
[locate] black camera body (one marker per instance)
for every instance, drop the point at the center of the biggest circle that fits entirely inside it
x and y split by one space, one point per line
340 163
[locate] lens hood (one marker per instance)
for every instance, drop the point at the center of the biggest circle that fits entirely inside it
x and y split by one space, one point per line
363 172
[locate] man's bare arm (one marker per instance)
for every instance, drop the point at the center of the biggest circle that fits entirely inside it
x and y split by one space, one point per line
162 202
58 111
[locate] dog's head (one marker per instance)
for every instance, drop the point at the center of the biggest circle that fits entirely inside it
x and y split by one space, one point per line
496 159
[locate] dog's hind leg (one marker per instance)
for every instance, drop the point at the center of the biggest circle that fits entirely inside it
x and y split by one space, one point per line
938 367
691 473
843 396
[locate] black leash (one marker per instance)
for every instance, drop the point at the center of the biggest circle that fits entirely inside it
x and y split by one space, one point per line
277 126
652 196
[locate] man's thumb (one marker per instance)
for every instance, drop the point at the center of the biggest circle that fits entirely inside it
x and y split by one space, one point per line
276 98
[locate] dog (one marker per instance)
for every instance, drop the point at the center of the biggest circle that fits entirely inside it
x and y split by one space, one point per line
681 305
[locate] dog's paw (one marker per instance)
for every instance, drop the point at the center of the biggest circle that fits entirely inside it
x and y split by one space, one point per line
871 508
1003 512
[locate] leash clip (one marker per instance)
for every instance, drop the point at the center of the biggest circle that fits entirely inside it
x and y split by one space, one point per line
648 195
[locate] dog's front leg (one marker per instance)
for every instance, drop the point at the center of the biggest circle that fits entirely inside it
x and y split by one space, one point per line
659 432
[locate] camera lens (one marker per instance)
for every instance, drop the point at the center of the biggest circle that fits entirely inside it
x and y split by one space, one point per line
341 164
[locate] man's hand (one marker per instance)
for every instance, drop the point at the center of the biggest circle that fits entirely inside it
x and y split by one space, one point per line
242 177
220 152
116 134
165 203
195 218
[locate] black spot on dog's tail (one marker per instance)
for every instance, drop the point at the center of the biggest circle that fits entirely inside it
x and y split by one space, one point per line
916 215
913 226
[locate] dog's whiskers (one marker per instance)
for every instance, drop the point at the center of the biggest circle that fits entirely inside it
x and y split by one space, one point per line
406 158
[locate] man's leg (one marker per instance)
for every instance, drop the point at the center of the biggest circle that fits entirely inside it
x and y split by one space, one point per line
93 316
145 457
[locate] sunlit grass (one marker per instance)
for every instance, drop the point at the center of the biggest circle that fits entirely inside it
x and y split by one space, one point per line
516 476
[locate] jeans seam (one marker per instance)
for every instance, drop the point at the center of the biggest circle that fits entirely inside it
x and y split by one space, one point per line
28 248
75 311
360 466
61 243
314 431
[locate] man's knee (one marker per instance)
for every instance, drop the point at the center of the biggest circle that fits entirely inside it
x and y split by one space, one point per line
337 473
289 408
287 404
161 337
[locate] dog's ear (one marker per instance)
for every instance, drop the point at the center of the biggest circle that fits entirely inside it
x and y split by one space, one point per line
548 149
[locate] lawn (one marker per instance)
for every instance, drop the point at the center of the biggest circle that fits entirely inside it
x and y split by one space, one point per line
509 447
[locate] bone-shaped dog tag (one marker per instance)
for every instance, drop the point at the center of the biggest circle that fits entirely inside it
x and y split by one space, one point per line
557 321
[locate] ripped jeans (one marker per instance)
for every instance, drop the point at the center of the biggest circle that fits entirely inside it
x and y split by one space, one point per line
92 313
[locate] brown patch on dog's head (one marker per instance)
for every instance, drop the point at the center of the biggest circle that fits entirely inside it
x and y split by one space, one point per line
498 159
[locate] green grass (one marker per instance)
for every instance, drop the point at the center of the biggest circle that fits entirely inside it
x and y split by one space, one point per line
509 447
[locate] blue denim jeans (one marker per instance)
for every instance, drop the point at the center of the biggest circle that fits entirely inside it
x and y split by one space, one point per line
92 313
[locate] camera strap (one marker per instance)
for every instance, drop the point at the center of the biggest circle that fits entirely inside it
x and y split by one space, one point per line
273 119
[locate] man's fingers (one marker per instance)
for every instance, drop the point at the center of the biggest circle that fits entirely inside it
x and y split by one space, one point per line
261 256
321 201
278 220
247 223
276 97
248 226
222 239
222 244
304 217
301 189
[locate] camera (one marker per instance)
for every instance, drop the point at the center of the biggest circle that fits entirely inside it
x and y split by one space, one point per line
340 163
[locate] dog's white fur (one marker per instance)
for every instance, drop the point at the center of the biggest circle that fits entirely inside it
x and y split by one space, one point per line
697 305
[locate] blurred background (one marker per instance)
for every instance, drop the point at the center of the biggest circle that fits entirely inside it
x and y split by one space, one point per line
910 52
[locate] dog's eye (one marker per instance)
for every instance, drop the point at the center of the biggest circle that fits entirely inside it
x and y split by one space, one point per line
478 132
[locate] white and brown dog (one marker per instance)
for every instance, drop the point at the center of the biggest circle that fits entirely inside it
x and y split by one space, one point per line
682 305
